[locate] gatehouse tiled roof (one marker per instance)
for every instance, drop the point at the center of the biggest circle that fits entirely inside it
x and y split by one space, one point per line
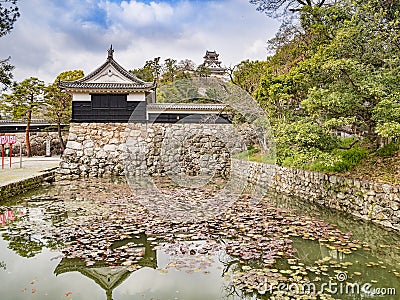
131 83
104 86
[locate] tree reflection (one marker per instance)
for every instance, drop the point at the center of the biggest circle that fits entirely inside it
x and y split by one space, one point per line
28 229
23 244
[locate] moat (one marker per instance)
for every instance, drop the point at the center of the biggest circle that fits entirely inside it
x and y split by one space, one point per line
95 239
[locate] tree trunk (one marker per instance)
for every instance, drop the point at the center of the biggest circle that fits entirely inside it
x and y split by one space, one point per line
27 133
60 138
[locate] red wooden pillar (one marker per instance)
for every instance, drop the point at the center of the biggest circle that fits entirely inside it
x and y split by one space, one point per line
10 155
2 156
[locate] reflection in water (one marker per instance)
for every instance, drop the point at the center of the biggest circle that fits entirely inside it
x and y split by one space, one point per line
384 243
105 234
110 277
8 215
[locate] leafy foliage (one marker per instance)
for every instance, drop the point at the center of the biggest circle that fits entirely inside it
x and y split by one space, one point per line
341 160
301 143
277 94
387 114
202 71
25 97
25 100
58 102
247 75
5 74
165 73
181 91
389 149
150 72
335 72
8 15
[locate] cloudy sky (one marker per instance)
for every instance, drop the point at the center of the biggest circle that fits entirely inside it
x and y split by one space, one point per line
52 36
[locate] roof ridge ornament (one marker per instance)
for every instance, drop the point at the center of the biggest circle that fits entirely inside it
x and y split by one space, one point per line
110 52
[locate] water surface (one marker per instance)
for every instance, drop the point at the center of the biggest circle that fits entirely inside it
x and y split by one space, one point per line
95 240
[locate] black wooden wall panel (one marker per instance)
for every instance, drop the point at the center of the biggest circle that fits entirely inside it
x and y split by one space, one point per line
83 111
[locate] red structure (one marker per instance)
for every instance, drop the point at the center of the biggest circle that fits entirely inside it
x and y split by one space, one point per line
6 139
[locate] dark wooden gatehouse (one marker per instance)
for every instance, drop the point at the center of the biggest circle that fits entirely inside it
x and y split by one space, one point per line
109 94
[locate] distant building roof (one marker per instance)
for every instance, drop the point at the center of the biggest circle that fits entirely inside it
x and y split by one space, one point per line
109 77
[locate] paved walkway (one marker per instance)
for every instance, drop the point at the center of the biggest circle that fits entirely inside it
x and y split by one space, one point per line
31 166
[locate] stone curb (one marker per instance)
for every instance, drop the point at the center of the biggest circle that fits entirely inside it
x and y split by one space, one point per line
21 186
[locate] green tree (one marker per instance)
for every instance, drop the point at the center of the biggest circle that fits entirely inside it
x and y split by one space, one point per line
202 71
145 73
150 72
5 74
170 70
59 103
335 71
25 100
182 91
280 97
247 75
165 73
358 69
387 116
8 15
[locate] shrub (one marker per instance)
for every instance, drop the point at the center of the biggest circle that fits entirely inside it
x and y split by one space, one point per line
388 150
344 160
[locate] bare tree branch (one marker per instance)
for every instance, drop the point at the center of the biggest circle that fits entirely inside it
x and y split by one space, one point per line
278 8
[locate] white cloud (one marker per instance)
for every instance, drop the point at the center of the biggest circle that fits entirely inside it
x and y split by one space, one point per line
54 36
256 49
139 14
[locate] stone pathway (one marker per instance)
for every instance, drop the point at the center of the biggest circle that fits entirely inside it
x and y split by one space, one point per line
31 167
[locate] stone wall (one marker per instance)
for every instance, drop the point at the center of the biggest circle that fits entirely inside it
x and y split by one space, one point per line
100 149
373 201
93 149
38 143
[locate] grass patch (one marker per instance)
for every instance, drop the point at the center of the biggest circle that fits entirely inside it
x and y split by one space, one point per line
246 155
255 154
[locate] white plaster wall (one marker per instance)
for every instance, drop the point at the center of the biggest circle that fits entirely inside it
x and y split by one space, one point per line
136 97
87 97
80 97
